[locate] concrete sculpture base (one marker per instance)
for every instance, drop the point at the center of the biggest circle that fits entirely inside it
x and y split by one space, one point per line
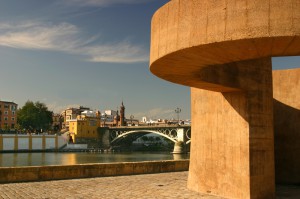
232 151
223 49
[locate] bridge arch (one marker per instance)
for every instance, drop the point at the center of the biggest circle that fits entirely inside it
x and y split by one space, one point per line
170 135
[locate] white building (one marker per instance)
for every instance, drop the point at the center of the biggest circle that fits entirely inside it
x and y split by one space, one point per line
89 113
108 115
144 119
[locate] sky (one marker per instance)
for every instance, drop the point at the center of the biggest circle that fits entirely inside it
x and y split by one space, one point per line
93 53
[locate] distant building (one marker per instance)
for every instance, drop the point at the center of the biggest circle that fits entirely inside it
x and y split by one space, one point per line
112 118
108 115
122 115
8 115
71 114
84 127
144 119
57 122
172 121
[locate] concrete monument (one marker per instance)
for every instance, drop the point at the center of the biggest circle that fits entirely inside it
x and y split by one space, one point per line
223 49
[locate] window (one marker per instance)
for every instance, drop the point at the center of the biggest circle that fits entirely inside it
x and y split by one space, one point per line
5 112
6 106
12 126
12 107
5 118
92 123
13 119
13 113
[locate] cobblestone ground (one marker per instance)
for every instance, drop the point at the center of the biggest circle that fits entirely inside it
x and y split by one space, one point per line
164 185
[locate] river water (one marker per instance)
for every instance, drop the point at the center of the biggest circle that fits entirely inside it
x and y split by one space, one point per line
42 159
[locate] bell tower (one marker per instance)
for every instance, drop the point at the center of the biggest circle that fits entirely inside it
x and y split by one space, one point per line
122 114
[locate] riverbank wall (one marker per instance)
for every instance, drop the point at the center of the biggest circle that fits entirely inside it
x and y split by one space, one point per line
21 143
45 173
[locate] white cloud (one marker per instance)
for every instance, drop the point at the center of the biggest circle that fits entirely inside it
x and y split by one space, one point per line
37 36
121 52
103 3
66 38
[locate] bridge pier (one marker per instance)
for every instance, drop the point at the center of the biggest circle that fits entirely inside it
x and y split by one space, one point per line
105 140
180 146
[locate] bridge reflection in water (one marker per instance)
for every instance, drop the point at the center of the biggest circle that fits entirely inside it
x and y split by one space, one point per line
179 135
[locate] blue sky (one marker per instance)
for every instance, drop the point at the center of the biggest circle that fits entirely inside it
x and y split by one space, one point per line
93 53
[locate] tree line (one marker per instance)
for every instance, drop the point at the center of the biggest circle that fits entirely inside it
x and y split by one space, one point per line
34 117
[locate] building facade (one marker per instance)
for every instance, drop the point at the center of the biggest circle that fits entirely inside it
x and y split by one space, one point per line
57 122
71 114
85 126
8 115
122 115
112 118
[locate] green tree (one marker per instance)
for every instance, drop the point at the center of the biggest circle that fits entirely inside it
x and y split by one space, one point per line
151 138
145 138
34 116
157 139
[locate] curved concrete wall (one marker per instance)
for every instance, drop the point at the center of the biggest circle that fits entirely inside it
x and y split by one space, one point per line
188 35
42 173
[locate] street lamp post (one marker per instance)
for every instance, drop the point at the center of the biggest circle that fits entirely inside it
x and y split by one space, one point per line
177 110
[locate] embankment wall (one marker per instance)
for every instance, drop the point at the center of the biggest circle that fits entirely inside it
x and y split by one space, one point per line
44 173
31 142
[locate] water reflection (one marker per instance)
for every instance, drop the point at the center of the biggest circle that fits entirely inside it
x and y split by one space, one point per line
179 156
41 159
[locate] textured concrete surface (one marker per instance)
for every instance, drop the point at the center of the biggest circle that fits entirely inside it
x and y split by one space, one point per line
286 87
189 35
159 186
226 46
58 172
232 147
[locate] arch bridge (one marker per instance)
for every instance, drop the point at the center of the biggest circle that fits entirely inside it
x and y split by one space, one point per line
180 135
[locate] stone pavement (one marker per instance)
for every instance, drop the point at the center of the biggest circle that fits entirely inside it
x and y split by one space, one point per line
162 185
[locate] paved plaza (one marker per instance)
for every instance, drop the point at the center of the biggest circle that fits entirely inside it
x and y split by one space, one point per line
163 185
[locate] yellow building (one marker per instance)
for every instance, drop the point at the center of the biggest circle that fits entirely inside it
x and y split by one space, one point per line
71 114
85 126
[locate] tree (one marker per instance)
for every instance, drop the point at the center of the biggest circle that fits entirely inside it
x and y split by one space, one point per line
34 116
157 139
145 138
151 138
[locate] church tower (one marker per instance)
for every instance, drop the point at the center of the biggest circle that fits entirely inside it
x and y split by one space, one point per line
122 114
